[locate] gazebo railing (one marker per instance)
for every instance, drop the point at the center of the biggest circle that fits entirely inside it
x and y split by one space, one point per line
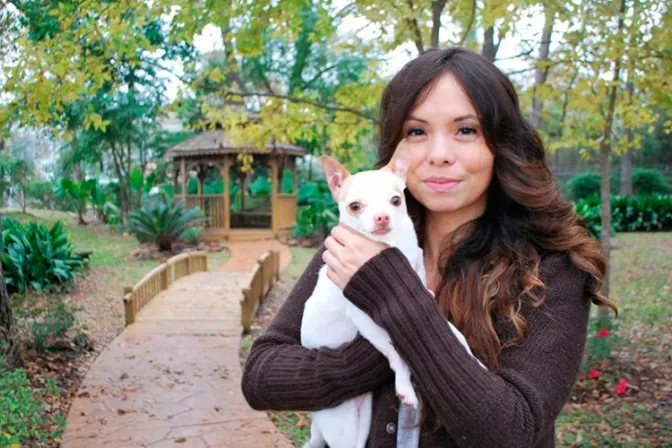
212 206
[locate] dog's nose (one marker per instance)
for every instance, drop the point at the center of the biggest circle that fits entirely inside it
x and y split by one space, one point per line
381 219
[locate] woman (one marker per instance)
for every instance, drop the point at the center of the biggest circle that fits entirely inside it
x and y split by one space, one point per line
510 264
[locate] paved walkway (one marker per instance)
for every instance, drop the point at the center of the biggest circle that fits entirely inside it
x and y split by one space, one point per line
172 379
244 254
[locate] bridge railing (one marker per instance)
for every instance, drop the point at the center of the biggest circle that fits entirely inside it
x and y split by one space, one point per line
263 275
159 279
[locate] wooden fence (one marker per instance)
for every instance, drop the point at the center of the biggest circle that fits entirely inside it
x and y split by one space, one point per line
264 274
159 279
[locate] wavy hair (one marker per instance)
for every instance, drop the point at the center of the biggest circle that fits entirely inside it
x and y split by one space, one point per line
490 267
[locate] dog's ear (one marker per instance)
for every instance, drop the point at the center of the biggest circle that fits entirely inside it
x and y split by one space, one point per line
335 173
400 162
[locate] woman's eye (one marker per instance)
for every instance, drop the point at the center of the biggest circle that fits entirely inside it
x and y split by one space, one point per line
468 130
396 201
355 206
414 132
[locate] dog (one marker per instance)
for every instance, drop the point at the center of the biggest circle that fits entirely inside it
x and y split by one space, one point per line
371 202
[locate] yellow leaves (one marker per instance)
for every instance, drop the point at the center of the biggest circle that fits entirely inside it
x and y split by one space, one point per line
94 120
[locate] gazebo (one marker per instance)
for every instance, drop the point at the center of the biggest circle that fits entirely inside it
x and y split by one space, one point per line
238 215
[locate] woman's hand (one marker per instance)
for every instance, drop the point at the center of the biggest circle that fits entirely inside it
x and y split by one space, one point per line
346 252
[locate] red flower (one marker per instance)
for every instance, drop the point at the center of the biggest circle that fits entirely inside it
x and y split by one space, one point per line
594 374
603 333
622 387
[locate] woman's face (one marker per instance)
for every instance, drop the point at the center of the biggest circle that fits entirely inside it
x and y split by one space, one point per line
450 164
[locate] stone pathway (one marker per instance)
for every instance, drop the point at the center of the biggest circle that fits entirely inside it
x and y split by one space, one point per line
172 379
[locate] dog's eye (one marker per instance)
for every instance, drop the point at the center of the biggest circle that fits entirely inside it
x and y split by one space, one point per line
396 201
355 206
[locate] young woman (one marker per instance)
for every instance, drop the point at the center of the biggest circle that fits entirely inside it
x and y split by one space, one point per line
509 262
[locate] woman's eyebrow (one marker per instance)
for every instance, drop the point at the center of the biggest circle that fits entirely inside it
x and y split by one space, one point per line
414 118
466 117
456 120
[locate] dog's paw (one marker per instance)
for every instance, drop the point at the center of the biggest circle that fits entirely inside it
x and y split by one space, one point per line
411 401
406 394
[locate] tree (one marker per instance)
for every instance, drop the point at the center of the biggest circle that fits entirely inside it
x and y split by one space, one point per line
610 39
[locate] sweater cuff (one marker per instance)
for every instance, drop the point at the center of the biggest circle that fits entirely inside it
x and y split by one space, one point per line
383 274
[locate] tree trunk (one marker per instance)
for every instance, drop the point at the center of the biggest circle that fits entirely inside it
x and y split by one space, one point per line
489 51
9 347
437 9
605 152
541 72
626 169
626 159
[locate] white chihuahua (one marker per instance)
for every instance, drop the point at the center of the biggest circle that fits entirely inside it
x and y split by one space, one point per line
371 202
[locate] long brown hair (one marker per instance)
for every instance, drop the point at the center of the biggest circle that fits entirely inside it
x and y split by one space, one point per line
490 267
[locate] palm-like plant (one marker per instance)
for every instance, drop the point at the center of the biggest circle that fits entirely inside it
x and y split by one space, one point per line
164 223
78 194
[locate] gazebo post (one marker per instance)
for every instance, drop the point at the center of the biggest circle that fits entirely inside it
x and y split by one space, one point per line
201 178
175 174
274 191
183 170
295 177
227 197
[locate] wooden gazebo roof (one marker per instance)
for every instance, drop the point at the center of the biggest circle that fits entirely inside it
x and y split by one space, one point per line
214 142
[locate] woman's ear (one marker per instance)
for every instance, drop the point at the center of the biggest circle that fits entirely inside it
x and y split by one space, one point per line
335 174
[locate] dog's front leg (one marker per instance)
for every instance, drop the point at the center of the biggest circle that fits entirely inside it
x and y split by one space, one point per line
381 340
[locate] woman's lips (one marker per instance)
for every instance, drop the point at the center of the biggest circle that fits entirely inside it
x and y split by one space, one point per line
441 183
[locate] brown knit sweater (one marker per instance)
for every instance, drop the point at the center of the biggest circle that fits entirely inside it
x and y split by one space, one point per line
513 407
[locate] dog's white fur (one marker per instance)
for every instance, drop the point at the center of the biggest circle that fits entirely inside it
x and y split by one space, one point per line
330 320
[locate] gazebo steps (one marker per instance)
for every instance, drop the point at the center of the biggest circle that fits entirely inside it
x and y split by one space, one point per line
245 234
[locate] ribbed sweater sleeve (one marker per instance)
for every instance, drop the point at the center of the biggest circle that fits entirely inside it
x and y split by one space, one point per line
281 374
515 406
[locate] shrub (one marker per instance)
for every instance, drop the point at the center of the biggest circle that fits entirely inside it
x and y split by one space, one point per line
41 194
192 235
583 186
36 257
53 324
629 214
163 222
649 181
318 211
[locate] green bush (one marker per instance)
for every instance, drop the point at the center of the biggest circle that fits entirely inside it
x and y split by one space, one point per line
163 222
53 324
36 257
628 214
22 419
318 212
649 181
583 186
41 195
192 235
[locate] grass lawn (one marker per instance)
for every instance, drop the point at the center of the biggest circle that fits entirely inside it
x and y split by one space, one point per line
641 286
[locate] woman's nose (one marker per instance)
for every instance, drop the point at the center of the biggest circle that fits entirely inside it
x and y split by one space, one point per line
440 151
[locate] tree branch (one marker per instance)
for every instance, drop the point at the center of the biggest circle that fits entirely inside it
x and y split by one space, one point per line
415 29
273 95
471 23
